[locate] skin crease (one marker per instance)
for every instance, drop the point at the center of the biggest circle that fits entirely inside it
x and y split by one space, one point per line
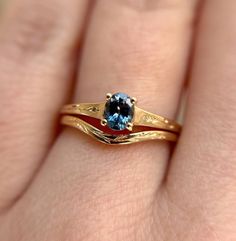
61 185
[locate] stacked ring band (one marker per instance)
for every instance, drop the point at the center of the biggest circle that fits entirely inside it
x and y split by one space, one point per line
119 113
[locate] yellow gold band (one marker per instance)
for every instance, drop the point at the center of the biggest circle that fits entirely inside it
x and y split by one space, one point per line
141 117
112 139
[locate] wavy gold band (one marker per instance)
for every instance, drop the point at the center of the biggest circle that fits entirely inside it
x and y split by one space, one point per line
112 139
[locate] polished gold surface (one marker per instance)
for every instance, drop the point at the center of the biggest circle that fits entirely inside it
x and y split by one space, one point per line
141 117
120 139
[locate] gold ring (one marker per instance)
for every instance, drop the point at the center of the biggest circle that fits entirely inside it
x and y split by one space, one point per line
121 120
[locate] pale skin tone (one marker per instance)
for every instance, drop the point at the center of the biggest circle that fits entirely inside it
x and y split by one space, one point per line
61 185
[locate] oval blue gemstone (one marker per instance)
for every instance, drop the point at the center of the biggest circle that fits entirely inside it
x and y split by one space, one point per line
119 110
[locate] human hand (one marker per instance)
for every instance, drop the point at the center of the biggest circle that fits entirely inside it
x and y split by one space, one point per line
60 185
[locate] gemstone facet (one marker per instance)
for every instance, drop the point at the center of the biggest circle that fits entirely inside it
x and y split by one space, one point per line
119 111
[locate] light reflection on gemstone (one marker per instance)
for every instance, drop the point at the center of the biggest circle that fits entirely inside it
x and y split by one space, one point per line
119 111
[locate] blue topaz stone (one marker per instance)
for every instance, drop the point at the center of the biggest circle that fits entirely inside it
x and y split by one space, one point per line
119 111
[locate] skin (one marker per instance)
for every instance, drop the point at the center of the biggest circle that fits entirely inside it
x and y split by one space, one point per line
60 185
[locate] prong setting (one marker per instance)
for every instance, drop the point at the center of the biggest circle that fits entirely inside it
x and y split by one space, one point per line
129 126
108 96
103 122
133 100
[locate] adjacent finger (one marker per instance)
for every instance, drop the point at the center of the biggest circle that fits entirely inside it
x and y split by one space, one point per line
37 59
204 164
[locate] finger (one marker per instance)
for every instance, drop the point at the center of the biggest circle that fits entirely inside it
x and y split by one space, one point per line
37 57
204 164
135 45
141 50
135 51
128 50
